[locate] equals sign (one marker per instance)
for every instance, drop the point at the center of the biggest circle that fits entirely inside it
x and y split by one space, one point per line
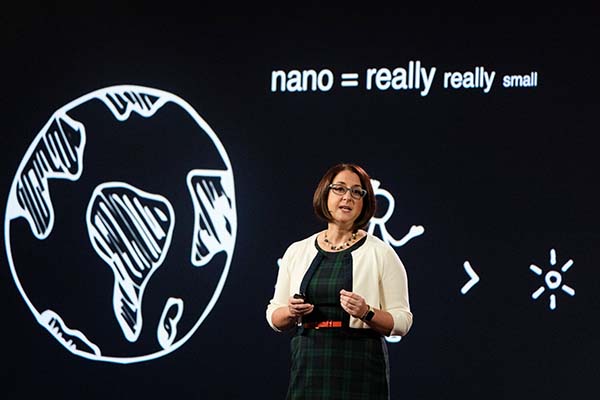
349 80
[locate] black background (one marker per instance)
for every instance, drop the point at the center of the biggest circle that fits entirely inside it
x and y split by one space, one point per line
497 179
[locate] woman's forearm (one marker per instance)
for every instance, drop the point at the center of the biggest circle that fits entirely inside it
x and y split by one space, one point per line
283 319
382 322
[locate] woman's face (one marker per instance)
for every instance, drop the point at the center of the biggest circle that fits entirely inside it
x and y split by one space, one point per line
345 209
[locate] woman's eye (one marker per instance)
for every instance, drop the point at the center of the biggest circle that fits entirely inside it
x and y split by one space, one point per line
357 192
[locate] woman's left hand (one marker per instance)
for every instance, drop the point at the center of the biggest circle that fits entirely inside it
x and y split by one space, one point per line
354 304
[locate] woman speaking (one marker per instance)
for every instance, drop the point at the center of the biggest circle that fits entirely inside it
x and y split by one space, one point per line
342 289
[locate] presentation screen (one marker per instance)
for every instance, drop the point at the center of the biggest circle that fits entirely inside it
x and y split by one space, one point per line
155 170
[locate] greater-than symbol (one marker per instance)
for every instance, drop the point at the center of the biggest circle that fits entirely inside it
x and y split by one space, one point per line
473 275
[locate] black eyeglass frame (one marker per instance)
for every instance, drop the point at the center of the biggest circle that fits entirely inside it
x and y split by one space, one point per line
353 190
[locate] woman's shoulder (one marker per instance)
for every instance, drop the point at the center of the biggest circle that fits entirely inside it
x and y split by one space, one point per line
374 242
379 246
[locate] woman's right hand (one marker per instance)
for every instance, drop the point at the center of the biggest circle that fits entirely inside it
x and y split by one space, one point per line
285 318
297 307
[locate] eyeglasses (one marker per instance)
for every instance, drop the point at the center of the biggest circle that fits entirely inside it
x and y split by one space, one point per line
356 191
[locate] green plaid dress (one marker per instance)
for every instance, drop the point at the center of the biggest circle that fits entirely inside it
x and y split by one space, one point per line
336 363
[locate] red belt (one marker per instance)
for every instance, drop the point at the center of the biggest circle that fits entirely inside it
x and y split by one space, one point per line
322 324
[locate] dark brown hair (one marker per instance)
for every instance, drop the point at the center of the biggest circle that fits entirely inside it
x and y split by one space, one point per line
322 193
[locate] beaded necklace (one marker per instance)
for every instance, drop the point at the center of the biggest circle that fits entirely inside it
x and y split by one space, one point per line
340 246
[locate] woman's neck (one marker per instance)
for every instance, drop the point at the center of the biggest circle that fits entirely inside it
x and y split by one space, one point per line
337 234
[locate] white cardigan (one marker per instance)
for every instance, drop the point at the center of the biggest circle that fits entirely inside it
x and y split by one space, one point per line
377 275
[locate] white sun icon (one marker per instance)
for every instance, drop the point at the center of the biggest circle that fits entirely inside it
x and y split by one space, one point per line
553 280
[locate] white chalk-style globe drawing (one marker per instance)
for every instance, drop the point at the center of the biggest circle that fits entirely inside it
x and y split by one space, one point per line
120 224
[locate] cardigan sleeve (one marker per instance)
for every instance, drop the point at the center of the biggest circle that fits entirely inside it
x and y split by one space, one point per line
282 289
394 289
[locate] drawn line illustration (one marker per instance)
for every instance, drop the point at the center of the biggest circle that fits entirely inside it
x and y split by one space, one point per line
379 222
57 154
167 326
130 229
214 223
474 278
553 280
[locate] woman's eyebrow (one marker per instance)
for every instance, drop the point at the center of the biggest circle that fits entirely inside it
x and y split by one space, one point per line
344 183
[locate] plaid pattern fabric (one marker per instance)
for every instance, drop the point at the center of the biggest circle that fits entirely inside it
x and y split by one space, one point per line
336 363
324 287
